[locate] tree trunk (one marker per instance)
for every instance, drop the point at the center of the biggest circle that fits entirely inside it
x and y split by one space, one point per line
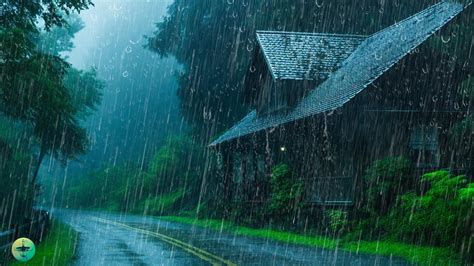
38 166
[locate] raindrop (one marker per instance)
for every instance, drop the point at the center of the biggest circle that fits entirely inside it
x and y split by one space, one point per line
434 98
456 106
125 74
245 3
117 8
425 70
445 39
319 5
252 68
128 49
377 56
230 2
249 47
135 42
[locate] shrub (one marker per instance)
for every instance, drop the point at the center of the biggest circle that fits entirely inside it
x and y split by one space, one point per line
442 216
384 180
337 220
285 195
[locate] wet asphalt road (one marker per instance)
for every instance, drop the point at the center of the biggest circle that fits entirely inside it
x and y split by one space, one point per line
117 239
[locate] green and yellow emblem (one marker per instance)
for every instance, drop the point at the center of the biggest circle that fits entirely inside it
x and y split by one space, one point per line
23 249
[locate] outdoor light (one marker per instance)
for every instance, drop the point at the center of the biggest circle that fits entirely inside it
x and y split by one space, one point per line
282 148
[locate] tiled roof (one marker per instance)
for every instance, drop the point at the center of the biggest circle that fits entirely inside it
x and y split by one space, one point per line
372 58
305 56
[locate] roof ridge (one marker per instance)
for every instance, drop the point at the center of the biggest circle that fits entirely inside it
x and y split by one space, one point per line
271 43
417 14
311 33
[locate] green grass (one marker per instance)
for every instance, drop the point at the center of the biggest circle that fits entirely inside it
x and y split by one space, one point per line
56 249
419 255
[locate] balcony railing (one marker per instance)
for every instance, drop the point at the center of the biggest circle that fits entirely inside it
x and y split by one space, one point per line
335 191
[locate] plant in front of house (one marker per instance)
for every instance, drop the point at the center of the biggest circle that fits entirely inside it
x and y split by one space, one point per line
442 216
338 221
384 180
285 195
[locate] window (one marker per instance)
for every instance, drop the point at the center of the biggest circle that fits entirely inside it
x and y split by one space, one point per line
424 145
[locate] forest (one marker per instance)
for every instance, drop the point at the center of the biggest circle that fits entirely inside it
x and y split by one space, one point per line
128 131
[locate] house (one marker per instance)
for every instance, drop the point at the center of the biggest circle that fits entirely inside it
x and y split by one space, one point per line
328 105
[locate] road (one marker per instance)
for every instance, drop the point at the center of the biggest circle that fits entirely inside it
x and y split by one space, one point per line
118 239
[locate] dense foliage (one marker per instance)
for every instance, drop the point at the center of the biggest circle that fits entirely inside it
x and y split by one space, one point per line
169 181
38 99
384 180
15 190
29 14
440 216
286 194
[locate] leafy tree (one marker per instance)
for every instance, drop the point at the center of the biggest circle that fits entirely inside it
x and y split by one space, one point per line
29 14
85 89
176 164
57 39
15 155
40 88
172 175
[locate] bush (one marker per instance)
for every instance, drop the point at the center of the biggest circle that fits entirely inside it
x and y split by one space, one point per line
384 180
285 195
442 216
337 220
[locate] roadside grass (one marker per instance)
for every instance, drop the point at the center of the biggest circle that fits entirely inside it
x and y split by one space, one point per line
57 248
418 255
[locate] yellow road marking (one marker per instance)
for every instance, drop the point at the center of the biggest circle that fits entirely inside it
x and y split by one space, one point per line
200 253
